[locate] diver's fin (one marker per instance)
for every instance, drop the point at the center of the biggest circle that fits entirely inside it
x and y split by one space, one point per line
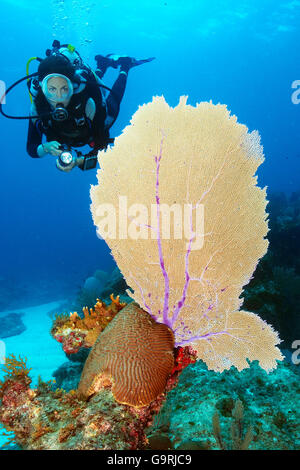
128 62
143 61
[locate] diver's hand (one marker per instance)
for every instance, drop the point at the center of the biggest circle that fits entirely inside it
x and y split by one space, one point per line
52 147
67 168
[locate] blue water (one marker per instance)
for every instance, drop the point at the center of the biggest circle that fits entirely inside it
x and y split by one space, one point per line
244 54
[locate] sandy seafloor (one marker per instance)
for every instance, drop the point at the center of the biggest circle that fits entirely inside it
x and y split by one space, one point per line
44 354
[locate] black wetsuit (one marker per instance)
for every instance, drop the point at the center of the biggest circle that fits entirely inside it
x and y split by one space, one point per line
113 100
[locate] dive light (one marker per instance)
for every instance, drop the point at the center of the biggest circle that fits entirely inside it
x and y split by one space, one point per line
84 162
66 157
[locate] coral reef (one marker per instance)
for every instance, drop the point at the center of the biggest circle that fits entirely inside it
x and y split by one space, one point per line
14 392
270 403
93 286
239 442
45 418
273 292
115 283
15 368
111 282
75 332
187 296
285 229
67 376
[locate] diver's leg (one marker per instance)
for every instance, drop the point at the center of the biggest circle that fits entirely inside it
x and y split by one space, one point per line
114 98
103 62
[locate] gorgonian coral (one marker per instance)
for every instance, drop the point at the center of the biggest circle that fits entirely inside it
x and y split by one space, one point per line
179 206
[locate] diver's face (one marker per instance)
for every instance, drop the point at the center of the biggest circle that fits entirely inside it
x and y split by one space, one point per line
58 89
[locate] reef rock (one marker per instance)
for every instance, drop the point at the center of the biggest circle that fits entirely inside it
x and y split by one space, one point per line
11 325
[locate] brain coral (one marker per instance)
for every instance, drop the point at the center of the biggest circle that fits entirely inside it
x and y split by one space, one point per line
179 206
136 353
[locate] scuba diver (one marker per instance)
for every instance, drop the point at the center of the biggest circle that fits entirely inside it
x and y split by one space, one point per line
71 106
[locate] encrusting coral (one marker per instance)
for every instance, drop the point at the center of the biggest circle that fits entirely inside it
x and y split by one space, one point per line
198 164
75 332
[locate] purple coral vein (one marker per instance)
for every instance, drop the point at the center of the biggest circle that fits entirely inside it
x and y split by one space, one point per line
196 338
166 320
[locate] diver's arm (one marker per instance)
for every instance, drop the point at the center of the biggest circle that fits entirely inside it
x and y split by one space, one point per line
34 140
35 147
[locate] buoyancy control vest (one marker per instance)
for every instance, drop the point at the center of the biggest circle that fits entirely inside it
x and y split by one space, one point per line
77 129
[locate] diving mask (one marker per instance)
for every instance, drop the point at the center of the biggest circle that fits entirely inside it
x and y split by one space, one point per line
57 88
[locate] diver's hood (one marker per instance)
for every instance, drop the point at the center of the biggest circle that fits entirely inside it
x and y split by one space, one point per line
52 98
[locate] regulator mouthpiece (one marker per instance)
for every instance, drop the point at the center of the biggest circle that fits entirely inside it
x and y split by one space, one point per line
60 113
